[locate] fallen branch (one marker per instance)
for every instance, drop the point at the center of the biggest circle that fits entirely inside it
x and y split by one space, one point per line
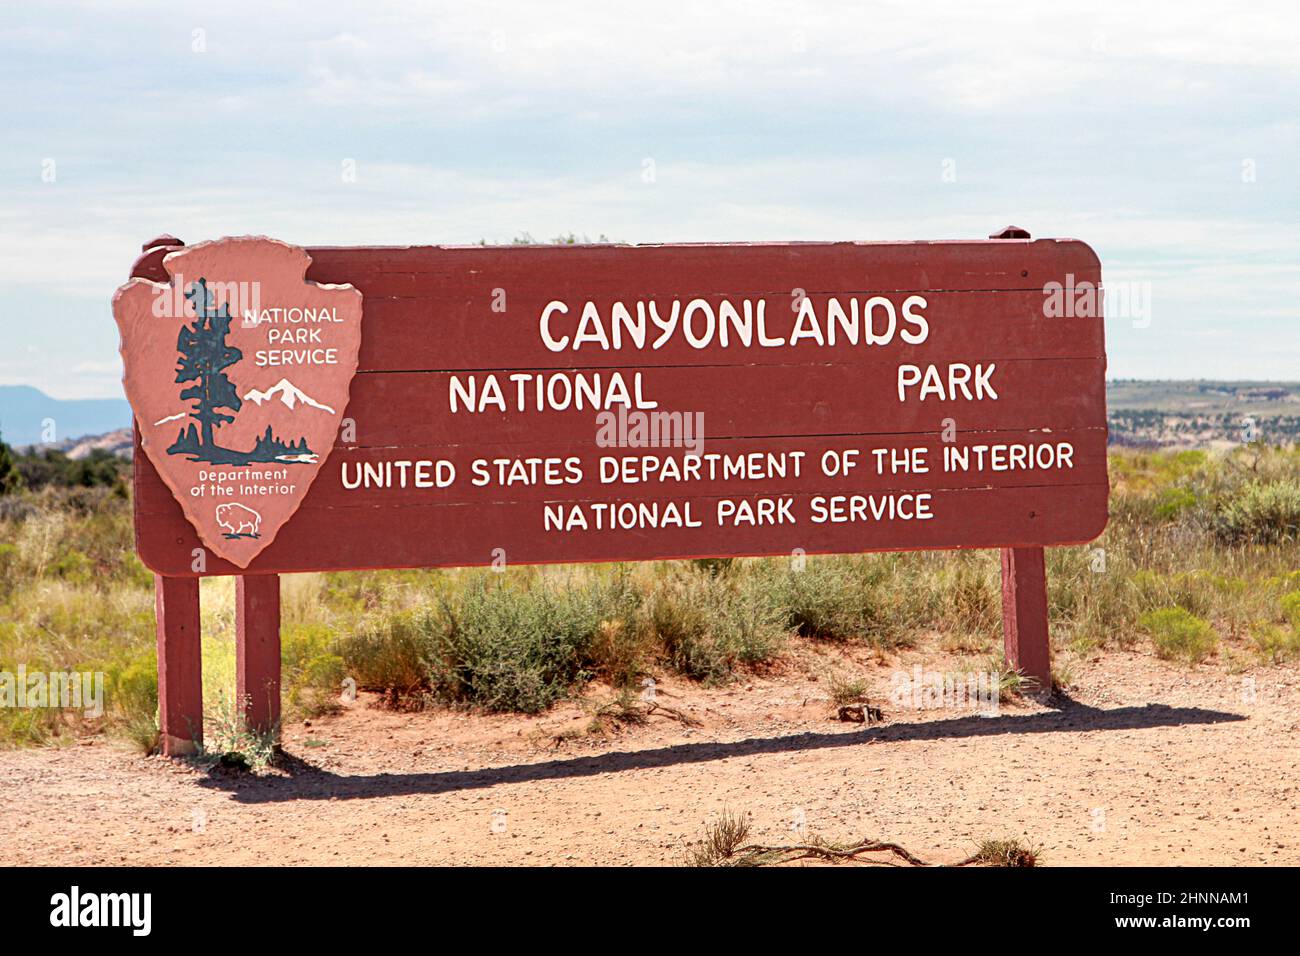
673 712
624 710
627 710
724 845
755 853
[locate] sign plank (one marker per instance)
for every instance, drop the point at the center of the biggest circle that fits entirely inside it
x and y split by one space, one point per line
548 471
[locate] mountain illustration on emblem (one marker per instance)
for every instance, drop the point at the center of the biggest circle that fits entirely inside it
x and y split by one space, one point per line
288 393
203 356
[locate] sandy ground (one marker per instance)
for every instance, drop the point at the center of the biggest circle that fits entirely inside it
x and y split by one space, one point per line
1144 762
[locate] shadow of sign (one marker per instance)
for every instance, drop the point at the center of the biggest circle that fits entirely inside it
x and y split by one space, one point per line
309 782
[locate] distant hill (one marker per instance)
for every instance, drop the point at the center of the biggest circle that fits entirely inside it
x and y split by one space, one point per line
24 411
120 443
1202 413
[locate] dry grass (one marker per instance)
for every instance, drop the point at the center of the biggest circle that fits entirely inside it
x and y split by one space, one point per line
1201 557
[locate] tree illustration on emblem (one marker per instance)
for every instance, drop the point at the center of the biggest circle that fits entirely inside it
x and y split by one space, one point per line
204 355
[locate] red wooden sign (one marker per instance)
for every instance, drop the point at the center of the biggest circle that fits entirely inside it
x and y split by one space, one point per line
599 403
627 403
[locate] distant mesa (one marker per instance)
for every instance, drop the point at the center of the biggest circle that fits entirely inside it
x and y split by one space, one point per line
289 394
29 417
118 442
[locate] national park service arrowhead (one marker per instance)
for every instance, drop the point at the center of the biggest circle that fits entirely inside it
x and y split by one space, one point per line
238 371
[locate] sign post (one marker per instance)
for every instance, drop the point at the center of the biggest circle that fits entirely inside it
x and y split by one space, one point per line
1024 613
257 649
354 408
1025 639
180 666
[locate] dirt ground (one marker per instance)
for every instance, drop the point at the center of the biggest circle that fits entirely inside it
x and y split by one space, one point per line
1144 762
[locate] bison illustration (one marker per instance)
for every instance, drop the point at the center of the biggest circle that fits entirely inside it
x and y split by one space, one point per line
238 521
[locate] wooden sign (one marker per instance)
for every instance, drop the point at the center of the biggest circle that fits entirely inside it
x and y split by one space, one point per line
518 405
627 403
238 371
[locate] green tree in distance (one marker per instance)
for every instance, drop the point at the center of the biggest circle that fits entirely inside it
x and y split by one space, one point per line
11 480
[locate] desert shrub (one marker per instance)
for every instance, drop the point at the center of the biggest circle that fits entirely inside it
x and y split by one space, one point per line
11 479
678 616
621 651
751 633
72 623
907 593
1179 635
130 700
132 703
821 598
1005 680
884 599
133 573
73 566
1276 644
1171 503
1260 513
229 741
1007 852
504 647
99 470
311 671
722 838
845 690
1290 605
709 627
134 687
28 726
356 594
357 591
389 652
1155 507
1285 582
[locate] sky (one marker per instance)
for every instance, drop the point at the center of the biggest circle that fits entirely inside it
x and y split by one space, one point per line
1166 135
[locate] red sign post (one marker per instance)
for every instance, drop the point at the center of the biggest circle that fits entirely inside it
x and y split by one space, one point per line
600 403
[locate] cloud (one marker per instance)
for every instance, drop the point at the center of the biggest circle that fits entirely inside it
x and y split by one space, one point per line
1126 125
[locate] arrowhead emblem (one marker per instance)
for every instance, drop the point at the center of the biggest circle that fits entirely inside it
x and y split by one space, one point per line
238 370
